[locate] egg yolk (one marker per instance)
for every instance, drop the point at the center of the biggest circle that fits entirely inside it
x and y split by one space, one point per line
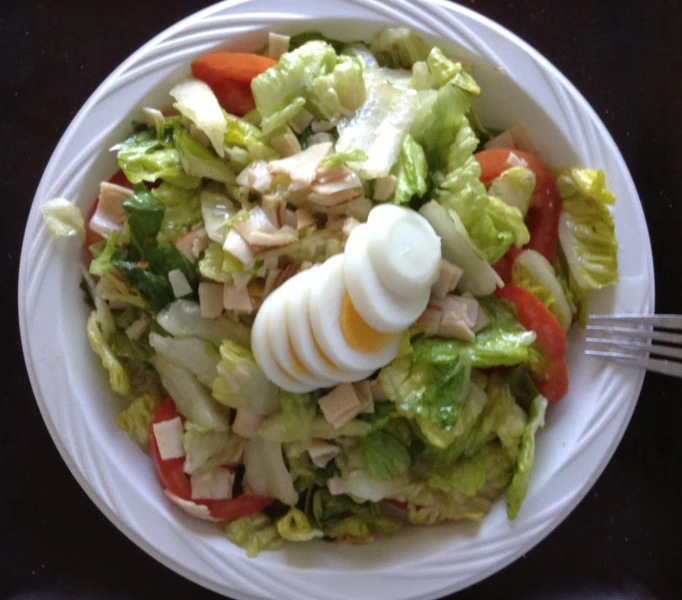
325 358
359 335
299 367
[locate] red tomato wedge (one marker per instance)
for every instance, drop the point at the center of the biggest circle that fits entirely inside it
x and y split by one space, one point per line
229 75
174 479
503 267
535 316
545 205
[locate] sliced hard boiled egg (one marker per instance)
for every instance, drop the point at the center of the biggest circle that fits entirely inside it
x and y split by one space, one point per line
380 308
261 348
303 343
403 249
282 349
326 308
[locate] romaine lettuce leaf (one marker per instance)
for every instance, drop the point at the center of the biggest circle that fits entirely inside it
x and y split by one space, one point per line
341 92
398 48
411 172
63 218
503 342
255 533
385 456
514 186
516 492
103 253
295 527
240 382
265 472
199 161
188 352
145 214
445 71
183 210
137 418
207 449
98 334
587 233
298 413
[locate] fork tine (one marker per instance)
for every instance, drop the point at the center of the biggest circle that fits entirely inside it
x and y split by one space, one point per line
670 351
659 336
666 367
665 321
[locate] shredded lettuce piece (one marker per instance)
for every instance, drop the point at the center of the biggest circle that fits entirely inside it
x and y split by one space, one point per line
103 254
199 161
385 455
63 218
255 533
183 211
240 382
398 48
295 527
207 449
445 71
190 353
587 233
411 172
137 418
341 92
265 472
99 330
503 342
516 492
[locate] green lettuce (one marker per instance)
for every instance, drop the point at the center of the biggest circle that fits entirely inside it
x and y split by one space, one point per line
445 71
516 492
411 172
295 527
515 187
385 456
341 516
182 211
255 533
340 158
199 161
281 91
207 449
218 265
137 418
503 342
398 48
587 233
266 474
341 92
304 473
242 134
99 328
432 395
241 383
63 218
142 157
274 429
192 353
103 253
145 214
300 39
298 413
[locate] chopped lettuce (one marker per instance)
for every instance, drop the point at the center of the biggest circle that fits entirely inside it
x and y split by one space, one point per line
503 342
111 288
183 211
295 527
199 161
300 39
587 233
398 48
240 133
218 265
142 157
274 429
63 218
341 92
191 398
445 71
207 449
379 125
265 472
98 331
411 172
255 533
137 418
342 517
182 318
516 492
281 91
430 394
298 413
191 353
103 253
514 186
240 382
145 214
216 211
385 455
196 101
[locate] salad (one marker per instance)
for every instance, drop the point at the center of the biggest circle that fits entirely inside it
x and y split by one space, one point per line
336 302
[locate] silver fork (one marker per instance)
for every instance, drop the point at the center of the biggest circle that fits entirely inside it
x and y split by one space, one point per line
634 339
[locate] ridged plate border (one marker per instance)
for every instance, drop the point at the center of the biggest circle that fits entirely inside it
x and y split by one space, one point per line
584 429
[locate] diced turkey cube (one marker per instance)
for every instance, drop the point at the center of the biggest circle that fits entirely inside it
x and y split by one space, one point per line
210 300
337 486
278 44
447 279
110 214
341 405
168 436
246 422
237 298
179 283
321 452
199 511
384 188
215 485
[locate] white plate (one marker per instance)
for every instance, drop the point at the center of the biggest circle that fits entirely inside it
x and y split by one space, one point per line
70 387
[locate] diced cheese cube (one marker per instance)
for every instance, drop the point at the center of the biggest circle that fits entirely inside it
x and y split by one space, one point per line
168 436
216 485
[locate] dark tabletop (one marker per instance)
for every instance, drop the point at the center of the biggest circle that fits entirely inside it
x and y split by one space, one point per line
623 541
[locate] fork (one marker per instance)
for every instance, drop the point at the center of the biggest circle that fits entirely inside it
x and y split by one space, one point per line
632 340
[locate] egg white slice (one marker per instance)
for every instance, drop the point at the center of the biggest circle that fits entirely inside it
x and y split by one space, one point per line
279 335
403 249
326 297
378 306
260 346
301 334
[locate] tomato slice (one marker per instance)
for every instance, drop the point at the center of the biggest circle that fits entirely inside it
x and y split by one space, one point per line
229 75
174 479
545 205
503 267
535 316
